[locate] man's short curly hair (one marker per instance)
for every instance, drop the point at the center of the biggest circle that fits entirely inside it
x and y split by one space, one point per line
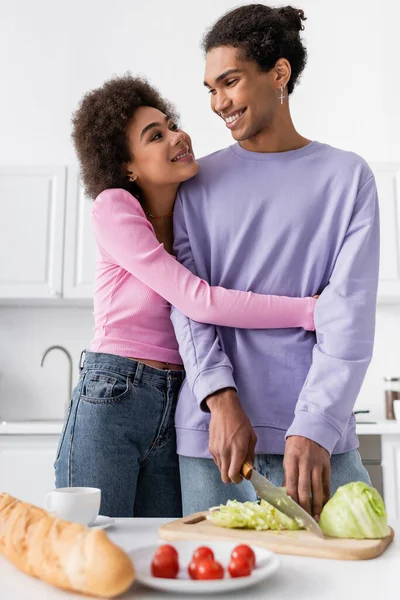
264 35
99 131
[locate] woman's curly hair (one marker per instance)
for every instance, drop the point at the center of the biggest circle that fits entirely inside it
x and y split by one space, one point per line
264 35
99 131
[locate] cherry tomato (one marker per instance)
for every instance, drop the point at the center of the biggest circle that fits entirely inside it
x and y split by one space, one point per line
239 567
192 569
164 565
244 551
209 569
167 549
203 552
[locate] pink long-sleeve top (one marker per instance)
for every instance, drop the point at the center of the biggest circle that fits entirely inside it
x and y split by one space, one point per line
137 280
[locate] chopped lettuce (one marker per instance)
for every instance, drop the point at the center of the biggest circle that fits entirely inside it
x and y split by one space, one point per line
250 515
356 510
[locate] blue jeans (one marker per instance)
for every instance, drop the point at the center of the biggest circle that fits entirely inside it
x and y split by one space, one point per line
119 436
202 486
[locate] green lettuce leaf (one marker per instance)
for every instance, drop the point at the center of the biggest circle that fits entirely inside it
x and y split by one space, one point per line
250 515
356 510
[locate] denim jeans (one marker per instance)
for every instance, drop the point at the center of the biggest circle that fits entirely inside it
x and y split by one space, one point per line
119 436
202 486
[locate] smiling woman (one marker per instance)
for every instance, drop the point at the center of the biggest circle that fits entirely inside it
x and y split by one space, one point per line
119 435
162 156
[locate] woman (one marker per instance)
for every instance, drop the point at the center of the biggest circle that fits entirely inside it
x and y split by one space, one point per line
119 434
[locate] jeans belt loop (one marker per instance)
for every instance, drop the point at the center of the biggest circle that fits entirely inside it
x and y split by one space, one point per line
81 363
138 373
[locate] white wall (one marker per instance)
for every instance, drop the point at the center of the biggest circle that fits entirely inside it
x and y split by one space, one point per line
52 52
27 390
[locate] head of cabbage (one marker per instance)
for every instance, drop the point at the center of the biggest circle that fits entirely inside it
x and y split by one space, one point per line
356 510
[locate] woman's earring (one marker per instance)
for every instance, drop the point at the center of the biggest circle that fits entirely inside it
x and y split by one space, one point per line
282 97
133 178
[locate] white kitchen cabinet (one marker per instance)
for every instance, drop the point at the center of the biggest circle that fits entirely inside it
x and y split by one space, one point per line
391 474
26 466
32 203
387 178
80 249
46 240
388 458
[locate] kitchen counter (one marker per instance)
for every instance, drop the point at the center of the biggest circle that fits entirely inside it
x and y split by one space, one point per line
31 427
301 578
54 427
385 427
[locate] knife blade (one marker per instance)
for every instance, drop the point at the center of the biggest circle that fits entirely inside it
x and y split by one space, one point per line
276 497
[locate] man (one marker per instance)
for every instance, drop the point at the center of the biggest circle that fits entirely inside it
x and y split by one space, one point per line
274 213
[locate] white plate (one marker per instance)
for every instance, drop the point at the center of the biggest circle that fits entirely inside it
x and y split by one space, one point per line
266 564
101 522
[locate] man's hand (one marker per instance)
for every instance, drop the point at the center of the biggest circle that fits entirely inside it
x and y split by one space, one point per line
232 439
307 470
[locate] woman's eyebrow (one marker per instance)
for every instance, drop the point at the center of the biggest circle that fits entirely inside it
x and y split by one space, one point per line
151 125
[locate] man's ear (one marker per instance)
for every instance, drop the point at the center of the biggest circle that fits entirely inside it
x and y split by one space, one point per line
282 72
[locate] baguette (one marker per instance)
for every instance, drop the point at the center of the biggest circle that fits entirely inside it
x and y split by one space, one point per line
64 554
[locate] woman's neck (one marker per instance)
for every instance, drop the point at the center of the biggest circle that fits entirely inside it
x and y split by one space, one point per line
159 202
159 208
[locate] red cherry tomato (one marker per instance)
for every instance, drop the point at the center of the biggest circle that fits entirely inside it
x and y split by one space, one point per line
203 552
239 567
244 551
192 569
209 569
167 549
164 565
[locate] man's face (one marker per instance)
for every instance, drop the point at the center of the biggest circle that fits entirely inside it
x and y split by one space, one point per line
241 94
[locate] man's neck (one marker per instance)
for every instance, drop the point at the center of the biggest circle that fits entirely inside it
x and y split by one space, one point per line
280 136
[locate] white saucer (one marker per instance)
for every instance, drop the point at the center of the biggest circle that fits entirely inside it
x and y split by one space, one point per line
101 522
266 564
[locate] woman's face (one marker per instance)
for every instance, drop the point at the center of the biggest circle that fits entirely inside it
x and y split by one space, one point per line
162 154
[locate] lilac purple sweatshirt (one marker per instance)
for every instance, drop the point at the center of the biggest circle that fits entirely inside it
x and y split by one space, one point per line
294 223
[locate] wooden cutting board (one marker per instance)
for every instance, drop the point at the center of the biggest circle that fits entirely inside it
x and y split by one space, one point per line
302 543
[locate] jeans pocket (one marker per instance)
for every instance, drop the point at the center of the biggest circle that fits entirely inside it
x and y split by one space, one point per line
104 387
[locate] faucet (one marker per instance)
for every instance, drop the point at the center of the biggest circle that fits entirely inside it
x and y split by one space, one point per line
68 355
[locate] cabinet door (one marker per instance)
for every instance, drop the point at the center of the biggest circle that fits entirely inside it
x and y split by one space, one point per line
391 474
388 183
32 203
80 249
26 466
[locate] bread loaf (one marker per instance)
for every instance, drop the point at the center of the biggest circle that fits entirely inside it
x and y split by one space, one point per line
67 555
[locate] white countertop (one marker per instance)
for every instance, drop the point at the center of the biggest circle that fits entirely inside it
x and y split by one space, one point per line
385 427
298 578
31 427
34 427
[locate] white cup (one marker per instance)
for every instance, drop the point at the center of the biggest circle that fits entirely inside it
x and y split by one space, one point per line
396 409
77 504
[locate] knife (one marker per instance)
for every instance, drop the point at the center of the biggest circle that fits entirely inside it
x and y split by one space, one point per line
273 495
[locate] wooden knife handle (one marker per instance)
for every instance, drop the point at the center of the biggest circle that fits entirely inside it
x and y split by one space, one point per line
246 470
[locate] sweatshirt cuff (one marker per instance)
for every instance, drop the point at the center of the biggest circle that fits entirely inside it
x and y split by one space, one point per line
210 381
314 427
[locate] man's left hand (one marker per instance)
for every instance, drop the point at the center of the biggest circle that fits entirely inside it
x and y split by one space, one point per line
307 471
